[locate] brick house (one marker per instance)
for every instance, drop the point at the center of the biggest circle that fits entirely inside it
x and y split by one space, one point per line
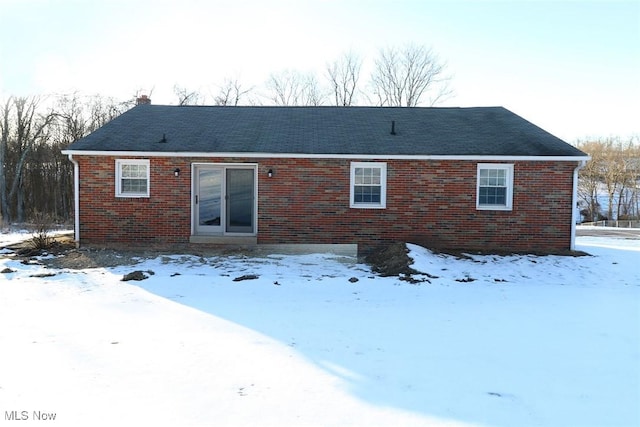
463 178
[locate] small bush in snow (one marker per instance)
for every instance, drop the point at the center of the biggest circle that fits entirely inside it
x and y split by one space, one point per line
41 235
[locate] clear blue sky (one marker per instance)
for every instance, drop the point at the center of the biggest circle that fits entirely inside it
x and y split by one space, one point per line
571 67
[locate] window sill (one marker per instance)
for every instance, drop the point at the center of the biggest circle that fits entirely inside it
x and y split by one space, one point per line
132 196
367 207
494 208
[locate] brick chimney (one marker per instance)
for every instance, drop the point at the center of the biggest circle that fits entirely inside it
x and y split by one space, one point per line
143 99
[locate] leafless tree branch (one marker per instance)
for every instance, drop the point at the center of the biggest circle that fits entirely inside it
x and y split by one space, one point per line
230 93
402 77
343 75
293 88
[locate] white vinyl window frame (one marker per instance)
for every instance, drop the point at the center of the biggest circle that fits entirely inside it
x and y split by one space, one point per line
132 178
368 185
494 187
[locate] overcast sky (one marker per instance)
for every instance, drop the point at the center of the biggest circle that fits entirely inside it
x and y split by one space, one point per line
570 67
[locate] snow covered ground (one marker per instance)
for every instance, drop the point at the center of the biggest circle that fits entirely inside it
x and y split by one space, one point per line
495 341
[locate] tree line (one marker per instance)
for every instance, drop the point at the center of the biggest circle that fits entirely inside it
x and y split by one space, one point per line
36 179
405 76
612 176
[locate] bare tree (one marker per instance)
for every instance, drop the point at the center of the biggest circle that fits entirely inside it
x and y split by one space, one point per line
293 88
612 174
312 94
343 75
629 167
35 177
102 110
230 93
5 112
185 96
23 127
590 177
75 119
72 123
403 77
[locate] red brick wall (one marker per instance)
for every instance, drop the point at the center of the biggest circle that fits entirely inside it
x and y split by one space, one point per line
161 218
307 201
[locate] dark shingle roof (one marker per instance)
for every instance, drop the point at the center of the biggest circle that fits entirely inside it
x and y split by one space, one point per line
481 131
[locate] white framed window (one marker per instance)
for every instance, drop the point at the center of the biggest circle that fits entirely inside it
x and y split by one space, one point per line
494 187
368 185
132 178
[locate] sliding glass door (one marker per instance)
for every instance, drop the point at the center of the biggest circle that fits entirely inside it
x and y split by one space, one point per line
239 200
224 199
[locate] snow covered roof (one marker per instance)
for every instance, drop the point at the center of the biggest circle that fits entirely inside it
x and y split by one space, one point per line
383 131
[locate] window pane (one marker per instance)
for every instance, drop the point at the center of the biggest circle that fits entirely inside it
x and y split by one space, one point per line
493 177
367 194
128 171
375 176
483 196
140 171
493 196
484 177
134 185
134 171
367 176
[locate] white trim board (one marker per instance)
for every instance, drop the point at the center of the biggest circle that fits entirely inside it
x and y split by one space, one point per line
330 156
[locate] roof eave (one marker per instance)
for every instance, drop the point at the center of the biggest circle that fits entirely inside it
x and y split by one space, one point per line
483 157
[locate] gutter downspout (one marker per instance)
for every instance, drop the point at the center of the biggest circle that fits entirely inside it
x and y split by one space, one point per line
574 210
76 200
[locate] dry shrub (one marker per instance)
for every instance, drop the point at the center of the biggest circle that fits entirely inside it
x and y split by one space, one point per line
41 235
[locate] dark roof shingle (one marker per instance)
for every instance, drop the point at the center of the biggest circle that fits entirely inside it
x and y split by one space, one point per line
479 131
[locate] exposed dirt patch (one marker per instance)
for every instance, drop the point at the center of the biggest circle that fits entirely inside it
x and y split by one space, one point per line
59 244
387 260
78 259
135 275
391 260
246 277
67 256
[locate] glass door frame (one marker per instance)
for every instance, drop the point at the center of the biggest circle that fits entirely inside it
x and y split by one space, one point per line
195 168
217 201
239 200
